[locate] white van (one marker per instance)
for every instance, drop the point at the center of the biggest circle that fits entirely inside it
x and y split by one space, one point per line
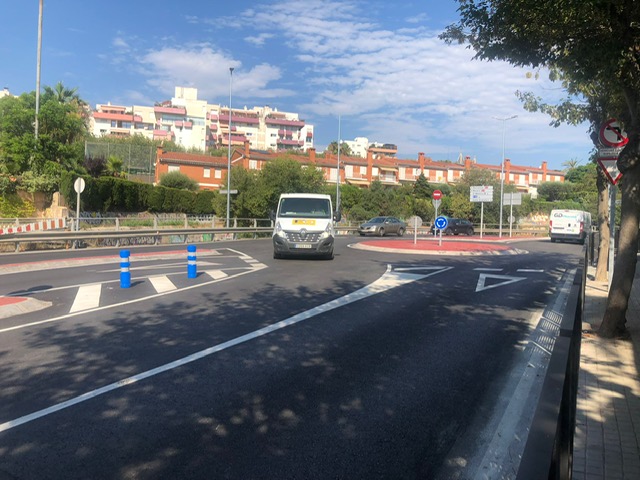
304 225
573 225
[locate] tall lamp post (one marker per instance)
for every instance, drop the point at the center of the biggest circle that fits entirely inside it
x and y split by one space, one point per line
338 170
229 151
504 122
38 64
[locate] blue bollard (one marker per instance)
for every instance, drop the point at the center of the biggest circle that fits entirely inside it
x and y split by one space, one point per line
125 274
192 267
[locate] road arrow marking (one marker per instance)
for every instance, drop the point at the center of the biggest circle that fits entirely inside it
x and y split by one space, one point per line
506 280
436 271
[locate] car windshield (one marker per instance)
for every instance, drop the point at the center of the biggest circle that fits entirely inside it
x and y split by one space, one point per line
305 207
376 220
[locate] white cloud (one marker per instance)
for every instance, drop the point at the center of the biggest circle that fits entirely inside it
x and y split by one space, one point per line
207 69
258 40
407 86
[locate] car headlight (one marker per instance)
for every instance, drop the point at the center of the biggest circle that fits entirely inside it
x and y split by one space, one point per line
327 231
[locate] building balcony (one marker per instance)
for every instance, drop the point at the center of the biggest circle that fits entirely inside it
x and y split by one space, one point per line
284 122
295 143
171 110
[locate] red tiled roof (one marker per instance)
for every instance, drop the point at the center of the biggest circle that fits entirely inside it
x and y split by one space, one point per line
191 159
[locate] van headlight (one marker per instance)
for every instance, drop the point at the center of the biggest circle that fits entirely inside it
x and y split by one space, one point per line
278 230
327 231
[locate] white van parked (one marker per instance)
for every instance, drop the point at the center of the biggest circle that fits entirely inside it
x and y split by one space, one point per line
571 225
304 225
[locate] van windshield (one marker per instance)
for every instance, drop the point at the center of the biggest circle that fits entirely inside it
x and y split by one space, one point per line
305 207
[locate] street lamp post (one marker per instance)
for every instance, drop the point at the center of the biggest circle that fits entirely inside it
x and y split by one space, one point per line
229 151
38 64
338 170
504 122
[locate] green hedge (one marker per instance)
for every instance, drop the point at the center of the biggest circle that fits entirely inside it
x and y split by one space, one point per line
112 194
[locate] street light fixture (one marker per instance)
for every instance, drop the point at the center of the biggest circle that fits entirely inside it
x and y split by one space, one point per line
229 151
504 122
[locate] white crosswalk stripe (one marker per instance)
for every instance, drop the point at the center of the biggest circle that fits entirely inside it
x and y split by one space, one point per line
88 296
162 284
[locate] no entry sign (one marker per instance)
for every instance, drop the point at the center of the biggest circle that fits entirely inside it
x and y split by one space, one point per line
437 195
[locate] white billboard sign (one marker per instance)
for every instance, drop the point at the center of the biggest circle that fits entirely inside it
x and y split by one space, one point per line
483 193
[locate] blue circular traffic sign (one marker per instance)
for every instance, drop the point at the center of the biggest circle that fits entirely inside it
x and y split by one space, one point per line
441 223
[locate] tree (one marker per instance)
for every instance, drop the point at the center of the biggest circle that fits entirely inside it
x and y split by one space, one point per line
178 180
555 191
422 189
285 175
61 94
570 164
593 44
344 149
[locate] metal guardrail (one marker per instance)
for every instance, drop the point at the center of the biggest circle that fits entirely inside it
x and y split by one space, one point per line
73 238
548 453
114 237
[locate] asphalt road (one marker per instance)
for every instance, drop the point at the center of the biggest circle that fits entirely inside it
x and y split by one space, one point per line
370 366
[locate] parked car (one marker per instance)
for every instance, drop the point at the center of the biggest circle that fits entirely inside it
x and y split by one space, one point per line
455 226
382 226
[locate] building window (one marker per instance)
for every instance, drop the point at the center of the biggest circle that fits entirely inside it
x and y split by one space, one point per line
253 164
218 173
207 173
174 168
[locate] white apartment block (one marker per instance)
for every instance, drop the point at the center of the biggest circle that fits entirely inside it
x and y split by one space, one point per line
361 145
197 124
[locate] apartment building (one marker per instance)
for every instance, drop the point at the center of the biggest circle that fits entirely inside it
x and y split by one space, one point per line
210 172
194 123
360 146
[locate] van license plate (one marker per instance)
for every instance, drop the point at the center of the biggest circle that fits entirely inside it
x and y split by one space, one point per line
302 245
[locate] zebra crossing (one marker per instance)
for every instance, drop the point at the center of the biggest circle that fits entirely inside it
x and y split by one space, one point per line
150 279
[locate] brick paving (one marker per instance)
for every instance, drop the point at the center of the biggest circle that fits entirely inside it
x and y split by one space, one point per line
607 436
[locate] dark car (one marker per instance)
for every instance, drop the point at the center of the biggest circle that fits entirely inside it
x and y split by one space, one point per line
455 226
382 226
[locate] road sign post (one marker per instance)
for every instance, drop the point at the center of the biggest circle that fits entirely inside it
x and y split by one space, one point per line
511 199
416 222
483 193
613 136
436 198
441 224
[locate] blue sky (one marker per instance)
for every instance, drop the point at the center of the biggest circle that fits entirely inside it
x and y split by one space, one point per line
377 64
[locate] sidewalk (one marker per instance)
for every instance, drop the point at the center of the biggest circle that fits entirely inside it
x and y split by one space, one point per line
607 435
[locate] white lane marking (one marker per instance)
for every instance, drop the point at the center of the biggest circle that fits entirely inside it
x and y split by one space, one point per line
216 274
413 269
88 297
387 281
115 305
488 269
512 424
529 270
162 284
506 280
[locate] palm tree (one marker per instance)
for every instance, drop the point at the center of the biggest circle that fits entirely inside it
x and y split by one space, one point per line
62 94
570 164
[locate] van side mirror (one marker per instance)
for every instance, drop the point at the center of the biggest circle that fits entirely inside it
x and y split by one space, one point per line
337 216
272 215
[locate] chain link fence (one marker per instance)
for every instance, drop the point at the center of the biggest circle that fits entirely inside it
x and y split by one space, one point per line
138 161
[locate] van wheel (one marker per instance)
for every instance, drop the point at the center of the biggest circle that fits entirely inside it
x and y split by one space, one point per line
553 240
276 255
329 256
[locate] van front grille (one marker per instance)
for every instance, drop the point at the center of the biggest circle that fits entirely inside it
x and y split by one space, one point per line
303 236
